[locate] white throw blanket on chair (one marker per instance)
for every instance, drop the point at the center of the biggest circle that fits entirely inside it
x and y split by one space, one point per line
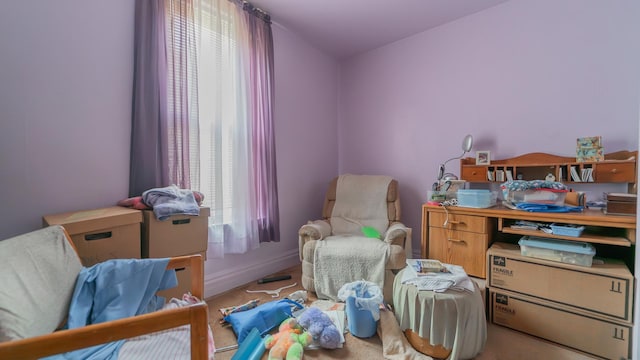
347 255
332 267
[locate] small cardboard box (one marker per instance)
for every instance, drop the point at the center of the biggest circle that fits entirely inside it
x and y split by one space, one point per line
560 324
604 290
176 236
101 234
184 283
621 203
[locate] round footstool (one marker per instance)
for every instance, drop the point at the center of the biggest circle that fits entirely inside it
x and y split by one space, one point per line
450 324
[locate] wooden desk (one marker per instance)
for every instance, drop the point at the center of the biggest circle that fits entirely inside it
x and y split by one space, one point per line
469 232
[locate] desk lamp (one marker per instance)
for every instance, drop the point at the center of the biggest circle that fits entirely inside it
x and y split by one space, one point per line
467 142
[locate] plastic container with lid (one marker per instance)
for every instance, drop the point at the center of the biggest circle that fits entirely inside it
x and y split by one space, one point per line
566 251
476 198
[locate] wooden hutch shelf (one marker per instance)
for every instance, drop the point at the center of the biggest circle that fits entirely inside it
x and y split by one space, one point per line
617 167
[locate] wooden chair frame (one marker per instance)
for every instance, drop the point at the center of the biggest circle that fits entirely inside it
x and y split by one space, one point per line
196 315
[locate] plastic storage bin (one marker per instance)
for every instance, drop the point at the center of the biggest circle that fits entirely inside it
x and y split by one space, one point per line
537 196
567 229
569 252
476 198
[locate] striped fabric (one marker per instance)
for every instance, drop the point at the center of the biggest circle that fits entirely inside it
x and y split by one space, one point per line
172 344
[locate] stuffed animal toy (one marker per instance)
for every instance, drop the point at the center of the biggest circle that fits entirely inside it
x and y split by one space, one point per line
289 342
321 328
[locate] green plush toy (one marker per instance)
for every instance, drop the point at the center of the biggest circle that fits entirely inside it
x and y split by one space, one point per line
371 232
288 343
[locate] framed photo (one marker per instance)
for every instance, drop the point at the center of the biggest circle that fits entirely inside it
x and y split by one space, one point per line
483 157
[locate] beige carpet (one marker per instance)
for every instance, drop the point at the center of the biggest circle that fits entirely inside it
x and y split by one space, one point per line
502 343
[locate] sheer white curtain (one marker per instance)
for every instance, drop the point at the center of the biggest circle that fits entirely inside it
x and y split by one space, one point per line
226 176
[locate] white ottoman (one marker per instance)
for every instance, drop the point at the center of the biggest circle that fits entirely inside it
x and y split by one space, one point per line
448 325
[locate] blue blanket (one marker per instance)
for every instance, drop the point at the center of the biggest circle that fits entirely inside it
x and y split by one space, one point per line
533 207
112 290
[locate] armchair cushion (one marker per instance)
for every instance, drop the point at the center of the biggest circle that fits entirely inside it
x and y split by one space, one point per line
360 201
38 278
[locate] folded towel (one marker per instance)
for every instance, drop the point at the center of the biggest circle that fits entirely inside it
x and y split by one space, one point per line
455 279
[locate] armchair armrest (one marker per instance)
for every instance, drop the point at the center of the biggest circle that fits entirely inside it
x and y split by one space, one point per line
398 234
312 230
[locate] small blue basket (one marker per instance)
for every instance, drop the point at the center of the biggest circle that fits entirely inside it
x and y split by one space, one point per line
567 229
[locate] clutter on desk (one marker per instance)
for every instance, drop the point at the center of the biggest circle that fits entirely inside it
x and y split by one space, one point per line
534 191
531 225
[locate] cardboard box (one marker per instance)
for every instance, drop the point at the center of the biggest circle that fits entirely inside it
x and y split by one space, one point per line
101 234
178 235
604 290
621 203
560 324
184 282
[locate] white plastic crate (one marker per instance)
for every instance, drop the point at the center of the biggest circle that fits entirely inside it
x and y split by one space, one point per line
566 251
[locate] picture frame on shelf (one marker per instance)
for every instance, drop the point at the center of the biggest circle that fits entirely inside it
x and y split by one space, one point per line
483 157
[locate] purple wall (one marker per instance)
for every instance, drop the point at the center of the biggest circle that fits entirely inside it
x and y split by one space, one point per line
65 104
524 76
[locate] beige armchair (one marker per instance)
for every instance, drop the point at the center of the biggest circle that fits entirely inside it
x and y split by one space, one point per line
334 249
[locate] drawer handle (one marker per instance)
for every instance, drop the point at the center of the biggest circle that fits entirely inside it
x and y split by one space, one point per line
98 236
614 170
455 222
457 241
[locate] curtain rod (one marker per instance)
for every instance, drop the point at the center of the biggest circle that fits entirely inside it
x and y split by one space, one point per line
251 9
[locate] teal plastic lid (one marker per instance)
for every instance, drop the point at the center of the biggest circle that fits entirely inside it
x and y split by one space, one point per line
578 247
473 192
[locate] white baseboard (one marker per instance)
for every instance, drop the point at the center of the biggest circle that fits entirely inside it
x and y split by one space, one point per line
229 278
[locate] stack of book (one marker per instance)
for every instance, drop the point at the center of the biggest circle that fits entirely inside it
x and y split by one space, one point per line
426 266
589 149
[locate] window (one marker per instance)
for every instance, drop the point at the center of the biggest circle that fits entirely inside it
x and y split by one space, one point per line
215 90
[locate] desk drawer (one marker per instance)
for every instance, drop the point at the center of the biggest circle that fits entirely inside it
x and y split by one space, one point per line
615 172
463 248
474 173
477 224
